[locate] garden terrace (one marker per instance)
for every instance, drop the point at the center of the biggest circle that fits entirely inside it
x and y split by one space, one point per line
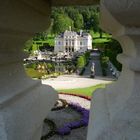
24 103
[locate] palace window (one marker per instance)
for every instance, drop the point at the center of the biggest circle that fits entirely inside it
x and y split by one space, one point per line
72 49
66 49
66 43
73 43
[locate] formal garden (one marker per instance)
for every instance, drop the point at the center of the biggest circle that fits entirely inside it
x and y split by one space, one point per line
44 69
85 18
72 107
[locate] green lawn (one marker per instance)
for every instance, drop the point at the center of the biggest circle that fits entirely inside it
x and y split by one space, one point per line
50 40
101 40
97 35
105 38
33 73
83 91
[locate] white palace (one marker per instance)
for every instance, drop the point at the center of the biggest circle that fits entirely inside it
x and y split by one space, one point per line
71 41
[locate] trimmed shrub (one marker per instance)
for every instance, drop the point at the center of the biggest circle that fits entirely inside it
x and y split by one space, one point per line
81 62
112 49
104 64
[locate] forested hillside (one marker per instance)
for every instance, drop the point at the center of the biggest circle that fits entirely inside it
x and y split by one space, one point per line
85 18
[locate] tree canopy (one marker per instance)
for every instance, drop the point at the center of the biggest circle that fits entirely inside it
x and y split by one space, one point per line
61 23
78 17
86 18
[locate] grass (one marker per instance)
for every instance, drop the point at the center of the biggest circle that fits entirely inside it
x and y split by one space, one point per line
96 38
83 91
50 40
97 35
101 40
33 73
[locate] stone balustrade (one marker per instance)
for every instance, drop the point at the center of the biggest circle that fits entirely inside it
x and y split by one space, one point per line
115 112
24 103
113 70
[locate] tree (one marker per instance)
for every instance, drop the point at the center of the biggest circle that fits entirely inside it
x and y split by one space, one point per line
83 17
78 21
50 68
112 49
40 36
94 22
71 12
77 17
87 55
86 17
80 62
61 23
28 46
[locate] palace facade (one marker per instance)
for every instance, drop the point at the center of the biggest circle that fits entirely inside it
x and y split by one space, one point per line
71 41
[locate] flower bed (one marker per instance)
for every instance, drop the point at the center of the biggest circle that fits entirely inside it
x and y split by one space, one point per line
50 123
52 131
81 96
59 107
69 126
66 129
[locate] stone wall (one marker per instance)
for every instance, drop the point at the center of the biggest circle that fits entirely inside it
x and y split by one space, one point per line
115 111
24 103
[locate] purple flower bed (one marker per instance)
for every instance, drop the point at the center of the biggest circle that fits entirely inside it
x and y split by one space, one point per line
66 129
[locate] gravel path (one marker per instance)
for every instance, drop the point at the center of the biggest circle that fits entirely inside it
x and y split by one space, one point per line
74 81
98 71
67 115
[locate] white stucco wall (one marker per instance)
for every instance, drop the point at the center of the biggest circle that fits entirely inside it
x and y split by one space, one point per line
80 43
